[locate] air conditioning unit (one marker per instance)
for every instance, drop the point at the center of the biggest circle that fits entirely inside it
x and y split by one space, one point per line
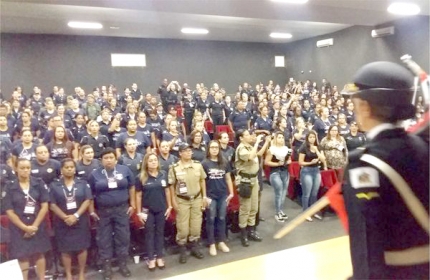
325 43
376 33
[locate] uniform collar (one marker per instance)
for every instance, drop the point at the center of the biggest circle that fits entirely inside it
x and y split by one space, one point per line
372 133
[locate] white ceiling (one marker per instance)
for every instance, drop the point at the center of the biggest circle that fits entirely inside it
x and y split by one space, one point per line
226 20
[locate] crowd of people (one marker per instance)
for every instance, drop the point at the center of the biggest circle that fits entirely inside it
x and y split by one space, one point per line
105 156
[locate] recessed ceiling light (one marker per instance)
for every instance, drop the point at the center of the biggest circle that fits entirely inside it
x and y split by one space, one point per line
86 25
291 1
406 9
194 31
281 35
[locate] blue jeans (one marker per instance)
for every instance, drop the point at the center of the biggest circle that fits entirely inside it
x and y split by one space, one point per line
217 209
310 179
279 181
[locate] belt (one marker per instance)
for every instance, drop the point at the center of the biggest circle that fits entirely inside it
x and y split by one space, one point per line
411 256
189 198
249 176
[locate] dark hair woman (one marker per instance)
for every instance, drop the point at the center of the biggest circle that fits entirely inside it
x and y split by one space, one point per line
310 176
60 147
26 205
219 192
70 198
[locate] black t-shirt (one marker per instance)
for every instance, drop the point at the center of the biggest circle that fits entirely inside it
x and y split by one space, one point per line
83 171
309 156
353 142
216 185
153 197
48 172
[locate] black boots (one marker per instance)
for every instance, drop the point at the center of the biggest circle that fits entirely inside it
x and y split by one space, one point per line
244 237
107 270
182 254
123 269
195 250
253 234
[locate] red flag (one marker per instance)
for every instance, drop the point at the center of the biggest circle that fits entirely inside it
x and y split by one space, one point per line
337 202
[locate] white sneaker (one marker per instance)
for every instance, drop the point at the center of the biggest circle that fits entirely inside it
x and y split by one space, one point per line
223 247
283 215
279 218
212 250
318 216
309 219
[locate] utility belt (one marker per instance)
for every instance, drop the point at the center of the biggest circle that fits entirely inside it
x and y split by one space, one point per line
248 176
189 198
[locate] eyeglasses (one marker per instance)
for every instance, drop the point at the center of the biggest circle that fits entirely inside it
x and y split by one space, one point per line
214 147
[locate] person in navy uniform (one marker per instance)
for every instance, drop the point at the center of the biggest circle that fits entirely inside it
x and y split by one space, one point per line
354 139
26 203
88 164
239 119
70 199
95 139
114 199
130 157
386 188
44 167
153 207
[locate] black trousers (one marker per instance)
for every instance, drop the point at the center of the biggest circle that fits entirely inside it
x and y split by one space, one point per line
154 234
217 120
113 232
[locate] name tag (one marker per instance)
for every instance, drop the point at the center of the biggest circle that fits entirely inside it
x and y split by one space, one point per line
29 210
81 172
112 184
35 171
183 188
71 203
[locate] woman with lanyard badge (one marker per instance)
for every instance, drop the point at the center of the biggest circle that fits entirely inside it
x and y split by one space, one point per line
88 163
154 196
70 199
219 190
114 198
26 204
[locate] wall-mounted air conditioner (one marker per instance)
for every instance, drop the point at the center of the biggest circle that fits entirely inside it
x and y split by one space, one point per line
325 43
376 33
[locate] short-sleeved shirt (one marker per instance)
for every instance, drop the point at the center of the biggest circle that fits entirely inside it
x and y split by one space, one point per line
84 171
343 131
309 156
189 173
263 124
321 127
239 119
48 172
59 193
60 151
20 152
353 142
199 154
133 163
166 163
153 197
242 162
146 130
143 142
99 144
109 195
217 108
49 136
216 185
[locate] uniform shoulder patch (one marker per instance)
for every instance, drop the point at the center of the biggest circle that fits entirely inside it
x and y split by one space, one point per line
364 177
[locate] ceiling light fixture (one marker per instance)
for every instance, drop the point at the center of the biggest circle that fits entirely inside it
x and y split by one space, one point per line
114 27
405 9
85 25
277 35
194 31
291 1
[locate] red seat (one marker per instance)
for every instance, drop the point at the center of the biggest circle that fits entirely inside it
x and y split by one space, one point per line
223 128
294 169
328 178
209 127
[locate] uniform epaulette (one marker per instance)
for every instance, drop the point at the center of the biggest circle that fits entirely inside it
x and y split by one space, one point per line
356 154
196 161
175 164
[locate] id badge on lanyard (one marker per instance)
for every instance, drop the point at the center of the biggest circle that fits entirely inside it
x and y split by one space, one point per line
71 200
112 184
30 205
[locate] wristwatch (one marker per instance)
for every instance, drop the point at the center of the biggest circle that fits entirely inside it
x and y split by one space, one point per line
76 215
